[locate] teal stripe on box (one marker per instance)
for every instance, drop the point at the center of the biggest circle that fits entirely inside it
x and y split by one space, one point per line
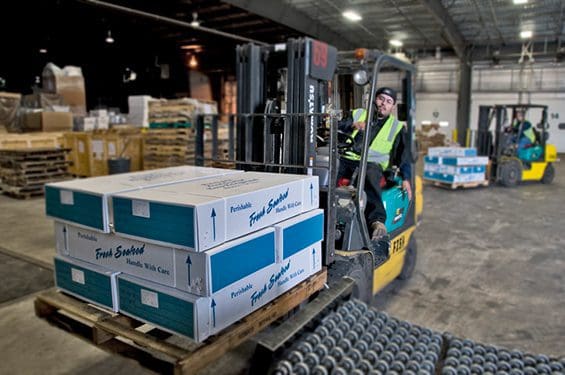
167 223
86 210
430 159
97 287
173 313
242 260
301 235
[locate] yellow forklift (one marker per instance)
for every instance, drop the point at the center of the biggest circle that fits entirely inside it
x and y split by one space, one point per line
290 99
498 137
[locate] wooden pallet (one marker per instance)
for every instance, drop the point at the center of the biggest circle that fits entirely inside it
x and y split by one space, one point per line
35 165
153 348
34 154
21 192
35 179
455 185
24 172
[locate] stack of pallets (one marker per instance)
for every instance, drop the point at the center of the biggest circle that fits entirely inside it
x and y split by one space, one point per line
164 148
179 113
24 172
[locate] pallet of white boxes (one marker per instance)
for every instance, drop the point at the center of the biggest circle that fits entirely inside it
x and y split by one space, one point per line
455 167
190 250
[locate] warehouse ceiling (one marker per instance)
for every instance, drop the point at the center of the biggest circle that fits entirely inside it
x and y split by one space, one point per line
149 35
480 28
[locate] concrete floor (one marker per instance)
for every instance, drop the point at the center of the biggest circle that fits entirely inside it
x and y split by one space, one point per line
490 268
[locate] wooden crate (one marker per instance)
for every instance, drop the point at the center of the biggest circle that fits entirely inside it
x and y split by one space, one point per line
154 348
91 150
80 155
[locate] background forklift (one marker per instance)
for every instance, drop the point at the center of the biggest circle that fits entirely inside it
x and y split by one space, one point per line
289 102
509 163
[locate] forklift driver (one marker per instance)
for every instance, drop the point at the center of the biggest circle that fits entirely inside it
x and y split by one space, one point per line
387 149
527 136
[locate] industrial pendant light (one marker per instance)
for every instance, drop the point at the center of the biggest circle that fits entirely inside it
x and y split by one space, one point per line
109 38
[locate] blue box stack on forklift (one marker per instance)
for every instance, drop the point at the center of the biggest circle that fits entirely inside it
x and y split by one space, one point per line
454 165
264 239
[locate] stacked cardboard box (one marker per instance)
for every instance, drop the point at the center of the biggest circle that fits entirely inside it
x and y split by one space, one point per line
68 82
97 120
454 165
190 257
9 106
139 110
430 136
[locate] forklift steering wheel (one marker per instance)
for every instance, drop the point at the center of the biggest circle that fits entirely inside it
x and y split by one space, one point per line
344 141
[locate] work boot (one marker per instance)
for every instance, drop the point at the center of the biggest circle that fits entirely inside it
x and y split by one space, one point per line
378 231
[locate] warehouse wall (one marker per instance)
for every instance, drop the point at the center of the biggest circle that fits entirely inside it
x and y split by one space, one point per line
541 83
438 108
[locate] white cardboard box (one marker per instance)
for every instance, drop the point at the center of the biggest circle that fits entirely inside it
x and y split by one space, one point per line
199 317
85 202
102 122
86 281
201 273
199 215
99 112
452 152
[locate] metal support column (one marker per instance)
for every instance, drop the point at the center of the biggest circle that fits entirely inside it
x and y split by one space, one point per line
464 100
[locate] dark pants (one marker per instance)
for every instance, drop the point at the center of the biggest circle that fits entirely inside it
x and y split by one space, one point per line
374 210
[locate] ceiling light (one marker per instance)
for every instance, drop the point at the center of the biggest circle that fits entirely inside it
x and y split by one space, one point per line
109 38
193 63
352 15
518 2
195 22
396 43
43 50
192 47
526 34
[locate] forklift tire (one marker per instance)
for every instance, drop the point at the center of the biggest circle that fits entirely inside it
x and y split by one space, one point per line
548 174
510 173
409 260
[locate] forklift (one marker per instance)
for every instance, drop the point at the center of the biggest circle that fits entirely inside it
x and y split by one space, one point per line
511 164
289 103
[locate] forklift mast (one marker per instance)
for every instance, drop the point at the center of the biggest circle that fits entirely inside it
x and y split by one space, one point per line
290 78
282 91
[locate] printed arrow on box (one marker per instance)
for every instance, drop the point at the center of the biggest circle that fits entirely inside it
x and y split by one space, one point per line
188 266
213 216
213 306
65 239
313 258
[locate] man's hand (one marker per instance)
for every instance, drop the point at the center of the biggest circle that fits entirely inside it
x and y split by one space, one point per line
359 125
406 186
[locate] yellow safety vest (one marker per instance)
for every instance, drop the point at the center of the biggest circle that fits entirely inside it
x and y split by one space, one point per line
379 150
528 133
